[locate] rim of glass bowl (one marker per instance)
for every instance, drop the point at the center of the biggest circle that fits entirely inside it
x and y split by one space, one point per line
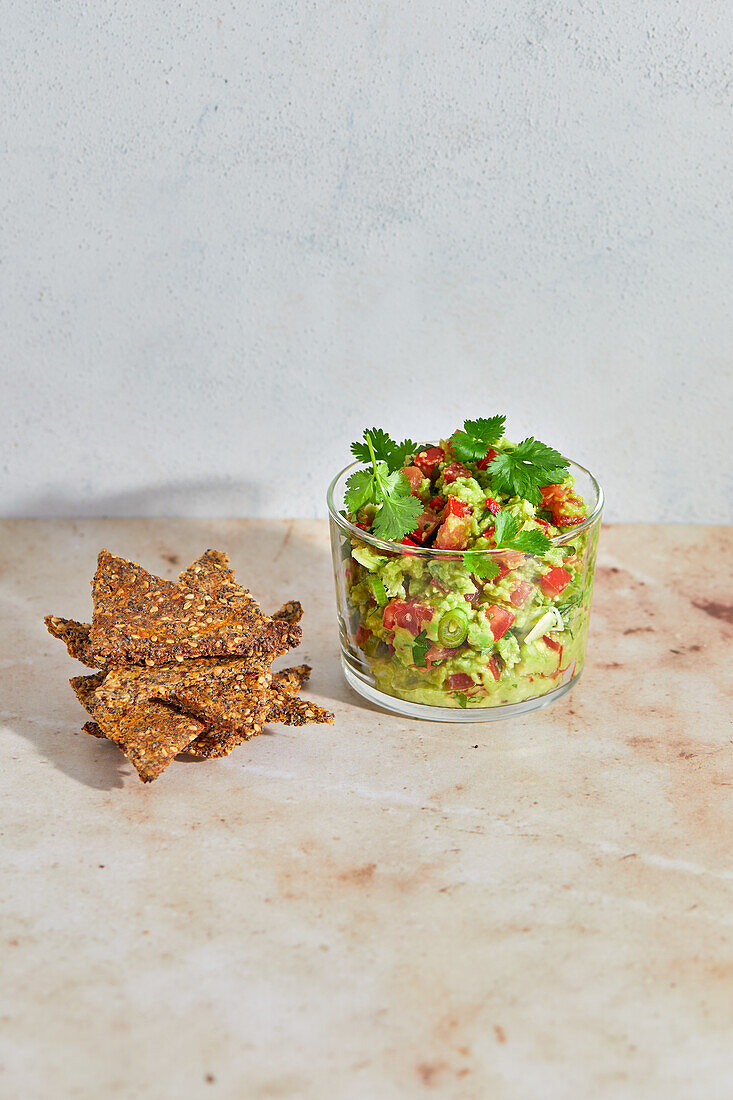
430 551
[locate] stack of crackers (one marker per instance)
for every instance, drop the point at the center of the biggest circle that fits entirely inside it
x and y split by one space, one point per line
182 667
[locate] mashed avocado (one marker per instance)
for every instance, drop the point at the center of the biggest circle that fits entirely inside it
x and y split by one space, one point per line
446 629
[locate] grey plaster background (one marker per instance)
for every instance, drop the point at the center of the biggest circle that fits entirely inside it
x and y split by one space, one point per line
235 234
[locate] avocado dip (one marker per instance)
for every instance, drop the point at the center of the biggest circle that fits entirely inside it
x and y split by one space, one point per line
485 600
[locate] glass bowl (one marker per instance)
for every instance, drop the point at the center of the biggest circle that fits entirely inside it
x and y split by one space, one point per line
424 637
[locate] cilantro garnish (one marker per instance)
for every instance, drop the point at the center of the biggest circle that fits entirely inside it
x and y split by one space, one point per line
471 444
398 510
384 448
522 471
480 564
462 699
420 648
508 536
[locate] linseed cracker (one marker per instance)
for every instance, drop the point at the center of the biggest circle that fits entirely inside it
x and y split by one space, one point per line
182 667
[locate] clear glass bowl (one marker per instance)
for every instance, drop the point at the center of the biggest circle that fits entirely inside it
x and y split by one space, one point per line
422 636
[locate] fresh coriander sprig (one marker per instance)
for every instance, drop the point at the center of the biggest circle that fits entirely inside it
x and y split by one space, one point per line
397 509
507 537
522 471
471 444
378 442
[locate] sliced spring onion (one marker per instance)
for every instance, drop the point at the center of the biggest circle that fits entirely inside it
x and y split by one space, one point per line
453 628
550 620
377 589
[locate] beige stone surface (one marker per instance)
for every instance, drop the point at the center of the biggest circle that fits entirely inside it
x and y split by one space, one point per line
381 908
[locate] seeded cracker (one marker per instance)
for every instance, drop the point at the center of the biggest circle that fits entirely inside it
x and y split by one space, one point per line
182 667
290 612
294 711
290 680
137 615
75 637
150 734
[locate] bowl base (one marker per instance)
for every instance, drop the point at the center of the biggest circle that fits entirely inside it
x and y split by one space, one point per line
451 714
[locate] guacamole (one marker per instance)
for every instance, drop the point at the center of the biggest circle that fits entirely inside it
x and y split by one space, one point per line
434 621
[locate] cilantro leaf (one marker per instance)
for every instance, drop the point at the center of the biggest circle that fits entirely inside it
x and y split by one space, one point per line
399 509
420 648
381 443
359 490
522 471
481 565
401 452
531 542
462 699
471 444
385 449
508 536
505 528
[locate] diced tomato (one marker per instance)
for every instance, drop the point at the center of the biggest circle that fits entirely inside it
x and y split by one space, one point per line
566 507
458 507
437 504
454 471
362 635
494 666
453 533
521 593
554 581
545 526
410 615
363 526
415 477
484 462
426 524
507 562
429 459
460 681
437 653
500 619
493 506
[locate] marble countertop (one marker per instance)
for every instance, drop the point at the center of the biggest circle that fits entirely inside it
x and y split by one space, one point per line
379 908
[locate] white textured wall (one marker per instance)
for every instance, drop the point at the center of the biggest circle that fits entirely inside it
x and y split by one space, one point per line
236 233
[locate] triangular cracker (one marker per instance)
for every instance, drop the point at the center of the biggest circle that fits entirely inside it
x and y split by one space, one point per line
140 616
150 734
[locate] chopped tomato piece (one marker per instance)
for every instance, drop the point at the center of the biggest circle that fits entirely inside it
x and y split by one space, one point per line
494 665
429 459
437 653
410 615
554 581
489 457
507 562
500 619
493 506
453 533
426 524
415 477
460 681
454 471
521 593
362 635
458 507
437 504
566 507
362 526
